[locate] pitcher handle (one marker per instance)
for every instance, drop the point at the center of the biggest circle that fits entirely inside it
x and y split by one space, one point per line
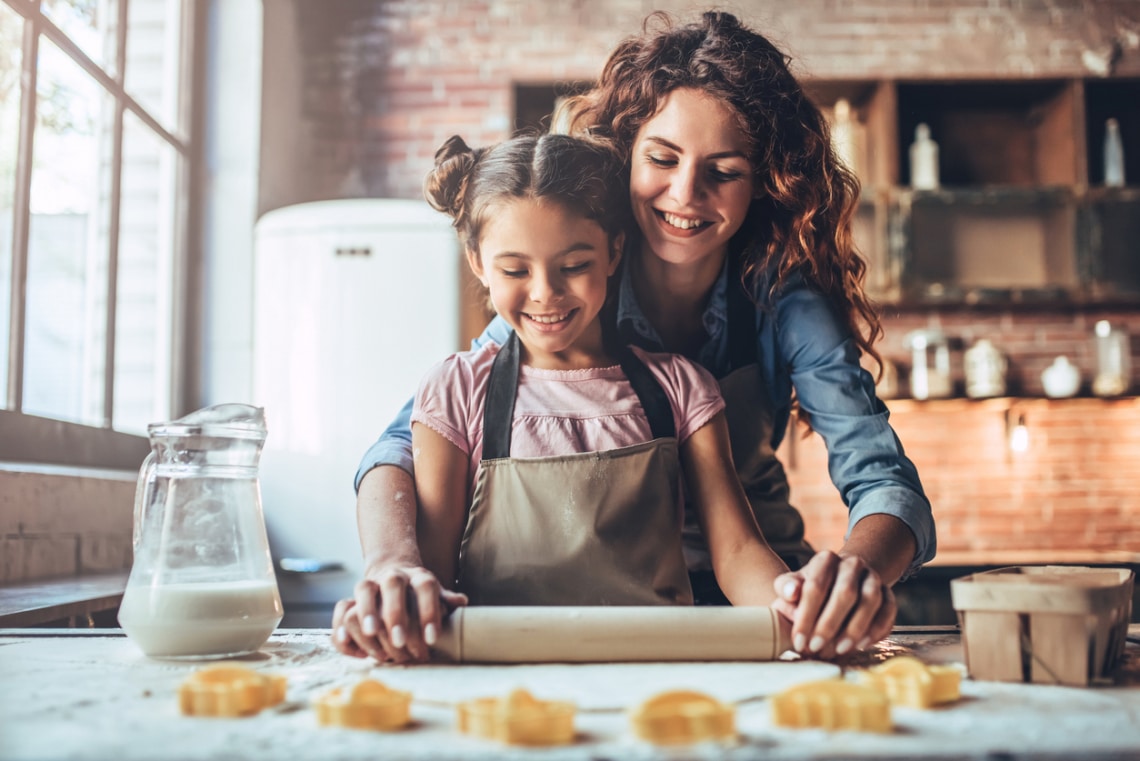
146 478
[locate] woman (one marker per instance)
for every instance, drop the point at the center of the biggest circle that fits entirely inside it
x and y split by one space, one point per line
744 263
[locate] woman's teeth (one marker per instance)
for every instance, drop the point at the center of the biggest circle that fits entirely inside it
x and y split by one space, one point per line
548 319
681 223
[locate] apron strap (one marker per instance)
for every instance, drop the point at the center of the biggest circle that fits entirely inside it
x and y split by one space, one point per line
741 320
649 391
503 384
499 409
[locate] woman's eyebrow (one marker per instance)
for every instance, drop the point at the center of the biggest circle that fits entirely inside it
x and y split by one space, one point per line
674 147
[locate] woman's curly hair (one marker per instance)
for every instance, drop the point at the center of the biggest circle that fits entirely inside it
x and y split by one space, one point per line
806 199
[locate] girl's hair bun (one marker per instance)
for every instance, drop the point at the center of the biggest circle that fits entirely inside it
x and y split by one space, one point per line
445 186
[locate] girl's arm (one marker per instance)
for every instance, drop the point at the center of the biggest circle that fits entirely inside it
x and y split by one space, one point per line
441 487
745 566
386 521
394 447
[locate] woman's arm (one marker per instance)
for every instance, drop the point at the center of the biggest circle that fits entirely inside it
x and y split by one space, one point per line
865 459
842 600
745 566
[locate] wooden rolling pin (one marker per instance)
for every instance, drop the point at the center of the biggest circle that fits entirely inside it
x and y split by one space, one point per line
570 634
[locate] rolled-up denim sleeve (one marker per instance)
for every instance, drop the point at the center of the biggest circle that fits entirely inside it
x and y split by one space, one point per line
865 458
394 447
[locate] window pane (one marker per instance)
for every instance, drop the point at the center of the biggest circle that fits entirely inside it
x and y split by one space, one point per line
154 58
146 253
67 249
11 35
90 24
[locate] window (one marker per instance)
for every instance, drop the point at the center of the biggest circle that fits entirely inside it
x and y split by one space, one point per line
94 191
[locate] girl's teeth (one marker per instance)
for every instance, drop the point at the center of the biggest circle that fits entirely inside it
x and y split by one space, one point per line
548 319
681 223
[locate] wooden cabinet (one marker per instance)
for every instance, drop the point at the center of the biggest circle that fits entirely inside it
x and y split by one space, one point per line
1021 214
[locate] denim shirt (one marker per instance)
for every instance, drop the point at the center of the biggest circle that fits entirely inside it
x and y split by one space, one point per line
801 345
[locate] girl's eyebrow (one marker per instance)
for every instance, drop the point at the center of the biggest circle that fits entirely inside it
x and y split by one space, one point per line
579 246
674 147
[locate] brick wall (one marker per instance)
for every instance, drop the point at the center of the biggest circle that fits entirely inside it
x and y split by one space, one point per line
1072 492
1076 489
64 522
358 94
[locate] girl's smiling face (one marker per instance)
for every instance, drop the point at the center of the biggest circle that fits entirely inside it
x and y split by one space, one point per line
691 178
546 268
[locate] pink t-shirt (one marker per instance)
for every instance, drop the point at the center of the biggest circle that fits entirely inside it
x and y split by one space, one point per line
561 411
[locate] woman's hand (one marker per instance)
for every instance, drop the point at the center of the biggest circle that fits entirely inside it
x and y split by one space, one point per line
836 604
394 615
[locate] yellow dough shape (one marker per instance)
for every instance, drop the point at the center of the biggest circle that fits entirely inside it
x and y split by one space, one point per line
907 681
832 704
369 705
518 719
682 716
227 689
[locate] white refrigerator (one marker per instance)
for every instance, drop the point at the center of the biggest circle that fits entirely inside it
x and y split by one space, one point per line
354 301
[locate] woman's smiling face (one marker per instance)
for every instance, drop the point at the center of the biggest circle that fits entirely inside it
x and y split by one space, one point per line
691 178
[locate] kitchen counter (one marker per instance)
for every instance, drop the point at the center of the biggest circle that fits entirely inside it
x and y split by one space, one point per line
90 694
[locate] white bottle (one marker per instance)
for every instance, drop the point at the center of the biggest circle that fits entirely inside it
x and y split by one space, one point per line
843 135
985 370
930 365
1061 379
1113 155
1113 360
923 160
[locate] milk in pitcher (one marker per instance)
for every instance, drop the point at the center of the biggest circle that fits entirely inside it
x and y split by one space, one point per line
214 619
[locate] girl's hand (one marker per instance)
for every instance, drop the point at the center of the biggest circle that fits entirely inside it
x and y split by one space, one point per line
836 604
394 615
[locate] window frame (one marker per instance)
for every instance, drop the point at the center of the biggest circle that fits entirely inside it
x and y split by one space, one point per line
34 439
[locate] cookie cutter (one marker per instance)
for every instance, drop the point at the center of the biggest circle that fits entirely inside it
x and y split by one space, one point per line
681 717
518 719
227 689
907 681
368 705
832 704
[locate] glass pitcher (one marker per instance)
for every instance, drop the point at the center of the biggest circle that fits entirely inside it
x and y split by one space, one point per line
202 582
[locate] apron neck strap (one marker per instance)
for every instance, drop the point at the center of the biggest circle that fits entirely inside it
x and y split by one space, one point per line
499 409
503 384
741 318
656 403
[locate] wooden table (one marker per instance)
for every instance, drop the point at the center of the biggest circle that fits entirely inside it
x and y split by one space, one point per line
90 694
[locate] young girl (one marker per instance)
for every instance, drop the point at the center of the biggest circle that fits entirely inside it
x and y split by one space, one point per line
548 467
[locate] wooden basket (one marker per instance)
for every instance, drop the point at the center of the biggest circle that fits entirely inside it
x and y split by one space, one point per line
1045 624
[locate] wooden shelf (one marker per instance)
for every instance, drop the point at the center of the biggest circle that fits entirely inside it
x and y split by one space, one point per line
986 240
1022 216
1002 132
74 598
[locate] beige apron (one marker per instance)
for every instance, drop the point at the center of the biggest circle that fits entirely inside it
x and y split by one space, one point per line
596 528
749 415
